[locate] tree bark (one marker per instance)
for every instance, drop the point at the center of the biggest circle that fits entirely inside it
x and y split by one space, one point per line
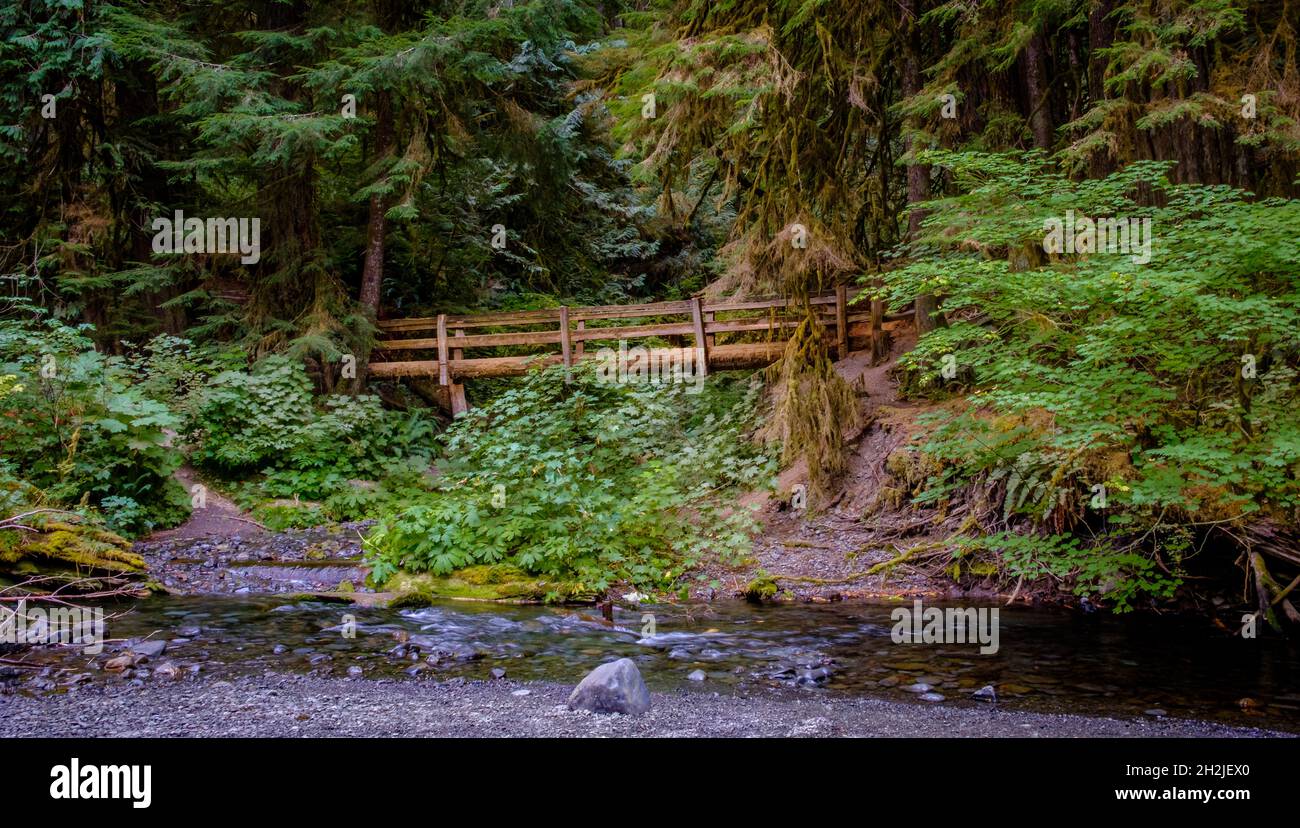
1101 34
372 272
918 175
1036 89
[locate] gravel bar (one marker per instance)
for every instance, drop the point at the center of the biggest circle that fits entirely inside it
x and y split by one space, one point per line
279 705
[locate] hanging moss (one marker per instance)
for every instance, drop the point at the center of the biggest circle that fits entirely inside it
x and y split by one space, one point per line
815 406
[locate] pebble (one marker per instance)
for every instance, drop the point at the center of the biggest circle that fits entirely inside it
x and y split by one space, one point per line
119 663
355 671
697 675
918 688
931 697
986 693
812 675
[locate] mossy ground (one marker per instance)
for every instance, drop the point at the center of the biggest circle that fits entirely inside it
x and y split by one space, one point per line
497 582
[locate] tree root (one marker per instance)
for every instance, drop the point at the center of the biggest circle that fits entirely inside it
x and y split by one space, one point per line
920 551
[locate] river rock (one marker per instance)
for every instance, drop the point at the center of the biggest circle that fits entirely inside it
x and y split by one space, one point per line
986 693
697 675
931 697
918 688
613 687
806 676
151 648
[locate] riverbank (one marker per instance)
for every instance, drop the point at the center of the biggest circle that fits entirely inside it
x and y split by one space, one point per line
279 705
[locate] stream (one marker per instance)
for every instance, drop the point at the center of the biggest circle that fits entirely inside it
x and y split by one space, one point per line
1049 660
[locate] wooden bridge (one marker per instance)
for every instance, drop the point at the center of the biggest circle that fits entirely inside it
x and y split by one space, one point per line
572 329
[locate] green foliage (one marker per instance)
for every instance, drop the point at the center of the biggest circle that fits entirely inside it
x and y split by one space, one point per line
174 371
1096 369
1120 577
278 516
267 420
81 433
593 480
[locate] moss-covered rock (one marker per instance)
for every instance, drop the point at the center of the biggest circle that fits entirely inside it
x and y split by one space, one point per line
760 589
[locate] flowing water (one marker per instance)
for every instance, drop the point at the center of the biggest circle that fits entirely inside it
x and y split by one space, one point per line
1048 660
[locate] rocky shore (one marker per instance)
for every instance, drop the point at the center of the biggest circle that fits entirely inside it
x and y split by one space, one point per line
280 705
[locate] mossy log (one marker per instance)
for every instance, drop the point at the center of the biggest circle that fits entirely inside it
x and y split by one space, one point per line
76 548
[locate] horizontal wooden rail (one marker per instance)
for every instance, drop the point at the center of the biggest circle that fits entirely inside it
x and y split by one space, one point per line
570 329
549 315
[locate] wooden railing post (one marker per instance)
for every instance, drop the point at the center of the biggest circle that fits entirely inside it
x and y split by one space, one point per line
842 319
564 340
578 347
443 374
458 353
701 344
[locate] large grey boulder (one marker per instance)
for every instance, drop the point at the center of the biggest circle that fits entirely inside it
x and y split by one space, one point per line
615 687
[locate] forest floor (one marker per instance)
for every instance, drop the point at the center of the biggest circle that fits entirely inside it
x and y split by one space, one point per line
278 705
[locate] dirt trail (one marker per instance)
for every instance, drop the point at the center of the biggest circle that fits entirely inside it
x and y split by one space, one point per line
216 515
825 554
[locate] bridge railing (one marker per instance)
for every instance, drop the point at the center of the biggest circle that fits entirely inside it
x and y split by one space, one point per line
572 329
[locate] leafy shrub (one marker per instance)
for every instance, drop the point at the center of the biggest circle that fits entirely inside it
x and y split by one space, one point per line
82 433
1120 577
585 480
1089 371
278 516
267 420
175 371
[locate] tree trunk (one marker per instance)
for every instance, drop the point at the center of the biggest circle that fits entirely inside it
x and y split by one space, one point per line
918 175
1036 89
372 273
1101 34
